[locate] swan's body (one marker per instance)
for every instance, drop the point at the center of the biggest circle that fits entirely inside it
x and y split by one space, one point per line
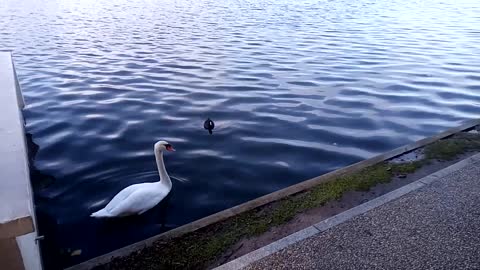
137 199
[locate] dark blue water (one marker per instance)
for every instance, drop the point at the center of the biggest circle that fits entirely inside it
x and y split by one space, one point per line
296 88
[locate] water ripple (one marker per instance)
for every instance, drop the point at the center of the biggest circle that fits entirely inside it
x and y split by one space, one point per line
296 88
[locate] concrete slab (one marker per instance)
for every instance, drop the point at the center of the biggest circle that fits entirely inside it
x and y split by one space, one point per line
270 249
15 190
17 216
29 251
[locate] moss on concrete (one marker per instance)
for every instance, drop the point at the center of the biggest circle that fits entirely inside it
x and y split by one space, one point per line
448 149
199 249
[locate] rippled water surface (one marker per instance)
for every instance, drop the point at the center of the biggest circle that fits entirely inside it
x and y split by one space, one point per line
297 88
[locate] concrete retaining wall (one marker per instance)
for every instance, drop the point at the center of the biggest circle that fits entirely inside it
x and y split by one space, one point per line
18 247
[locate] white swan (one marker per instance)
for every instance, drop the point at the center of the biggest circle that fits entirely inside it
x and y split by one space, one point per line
137 199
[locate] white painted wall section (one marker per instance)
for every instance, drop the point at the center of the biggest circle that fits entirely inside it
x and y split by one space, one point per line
17 217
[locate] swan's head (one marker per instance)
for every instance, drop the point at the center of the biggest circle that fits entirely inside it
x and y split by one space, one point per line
162 146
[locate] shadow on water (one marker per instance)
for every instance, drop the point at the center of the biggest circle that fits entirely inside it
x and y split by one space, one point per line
39 180
80 230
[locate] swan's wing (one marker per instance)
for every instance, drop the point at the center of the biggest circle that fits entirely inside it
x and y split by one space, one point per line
121 196
139 201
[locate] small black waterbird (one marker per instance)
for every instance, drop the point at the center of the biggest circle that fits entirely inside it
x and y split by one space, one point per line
209 125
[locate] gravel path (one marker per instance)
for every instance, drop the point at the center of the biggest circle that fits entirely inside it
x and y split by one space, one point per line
435 227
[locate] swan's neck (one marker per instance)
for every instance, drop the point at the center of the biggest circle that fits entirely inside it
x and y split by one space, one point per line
164 178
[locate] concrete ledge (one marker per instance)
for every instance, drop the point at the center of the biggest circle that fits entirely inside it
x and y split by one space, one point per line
17 216
272 197
15 191
322 226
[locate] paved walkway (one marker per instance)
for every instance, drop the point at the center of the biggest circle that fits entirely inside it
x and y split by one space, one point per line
433 223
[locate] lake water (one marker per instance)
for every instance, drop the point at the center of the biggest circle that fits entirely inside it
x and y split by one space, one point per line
296 88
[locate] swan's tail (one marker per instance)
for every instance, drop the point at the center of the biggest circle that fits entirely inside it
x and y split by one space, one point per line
102 213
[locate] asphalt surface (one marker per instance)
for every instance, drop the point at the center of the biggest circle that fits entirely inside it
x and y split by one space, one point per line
434 227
